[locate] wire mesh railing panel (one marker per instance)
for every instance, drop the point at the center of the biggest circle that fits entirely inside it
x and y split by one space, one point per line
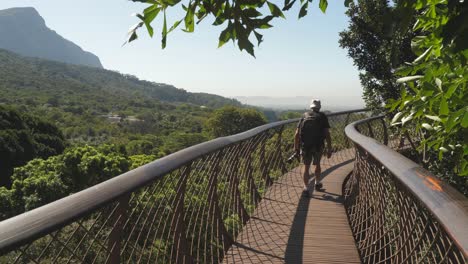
390 223
175 211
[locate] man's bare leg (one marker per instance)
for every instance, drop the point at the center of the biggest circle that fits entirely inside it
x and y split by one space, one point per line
306 177
318 172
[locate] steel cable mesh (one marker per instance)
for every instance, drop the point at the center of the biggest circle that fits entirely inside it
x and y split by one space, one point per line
388 222
191 215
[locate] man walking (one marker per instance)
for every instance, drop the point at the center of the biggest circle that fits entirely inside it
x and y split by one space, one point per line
312 130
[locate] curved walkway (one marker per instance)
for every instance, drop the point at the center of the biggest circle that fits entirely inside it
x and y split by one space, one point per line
287 228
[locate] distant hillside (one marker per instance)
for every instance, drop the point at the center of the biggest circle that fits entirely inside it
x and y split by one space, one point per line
105 106
24 31
48 79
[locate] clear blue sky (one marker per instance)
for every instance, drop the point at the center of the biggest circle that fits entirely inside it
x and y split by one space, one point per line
297 57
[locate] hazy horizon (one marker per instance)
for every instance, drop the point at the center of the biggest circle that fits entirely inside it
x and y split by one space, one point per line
331 103
297 58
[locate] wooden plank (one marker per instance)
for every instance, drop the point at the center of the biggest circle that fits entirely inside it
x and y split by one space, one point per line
288 228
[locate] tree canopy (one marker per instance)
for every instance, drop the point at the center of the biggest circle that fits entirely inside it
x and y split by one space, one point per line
42 181
231 120
243 20
376 48
24 137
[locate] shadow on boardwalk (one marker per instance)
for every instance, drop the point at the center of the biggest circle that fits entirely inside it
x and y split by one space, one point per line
288 228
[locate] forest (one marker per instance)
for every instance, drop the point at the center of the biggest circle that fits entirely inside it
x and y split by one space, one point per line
64 127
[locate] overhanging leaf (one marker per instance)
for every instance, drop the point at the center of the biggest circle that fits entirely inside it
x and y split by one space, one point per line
323 5
274 10
132 37
176 24
303 11
259 37
288 5
189 19
225 35
164 32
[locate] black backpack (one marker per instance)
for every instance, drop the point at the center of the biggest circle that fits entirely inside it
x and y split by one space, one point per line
312 130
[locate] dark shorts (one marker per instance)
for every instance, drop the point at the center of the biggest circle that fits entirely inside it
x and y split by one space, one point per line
311 154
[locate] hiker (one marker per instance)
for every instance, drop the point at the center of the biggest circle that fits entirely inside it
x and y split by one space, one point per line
311 132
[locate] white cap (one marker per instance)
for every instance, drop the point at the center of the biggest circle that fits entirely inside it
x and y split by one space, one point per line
315 104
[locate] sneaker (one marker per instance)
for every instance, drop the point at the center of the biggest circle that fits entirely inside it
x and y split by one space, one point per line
318 186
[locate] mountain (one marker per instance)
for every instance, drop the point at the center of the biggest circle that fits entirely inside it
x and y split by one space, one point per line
38 78
24 31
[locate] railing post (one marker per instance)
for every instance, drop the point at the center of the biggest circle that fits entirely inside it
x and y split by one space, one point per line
371 132
414 147
115 236
213 211
385 131
180 250
251 182
344 134
238 204
279 149
264 165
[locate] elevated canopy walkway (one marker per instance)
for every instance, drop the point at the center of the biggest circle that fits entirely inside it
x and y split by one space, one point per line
236 200
287 227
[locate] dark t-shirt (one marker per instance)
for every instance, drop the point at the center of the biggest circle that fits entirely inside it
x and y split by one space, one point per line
323 120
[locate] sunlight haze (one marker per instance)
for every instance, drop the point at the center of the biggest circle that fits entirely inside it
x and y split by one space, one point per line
298 58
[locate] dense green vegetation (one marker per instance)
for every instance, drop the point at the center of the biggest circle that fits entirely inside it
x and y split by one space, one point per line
376 48
42 181
104 122
96 106
434 90
231 120
24 137
426 39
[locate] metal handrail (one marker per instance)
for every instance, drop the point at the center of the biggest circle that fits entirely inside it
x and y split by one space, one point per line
446 204
27 227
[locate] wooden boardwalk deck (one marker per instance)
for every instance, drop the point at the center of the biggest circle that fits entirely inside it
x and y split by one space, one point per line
288 228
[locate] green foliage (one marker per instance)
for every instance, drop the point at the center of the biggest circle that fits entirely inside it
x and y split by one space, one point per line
290 115
93 106
377 48
38 183
434 92
243 21
140 147
42 181
24 137
140 160
231 120
6 203
180 140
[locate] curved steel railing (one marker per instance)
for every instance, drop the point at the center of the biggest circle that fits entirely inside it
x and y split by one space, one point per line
398 211
186 207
